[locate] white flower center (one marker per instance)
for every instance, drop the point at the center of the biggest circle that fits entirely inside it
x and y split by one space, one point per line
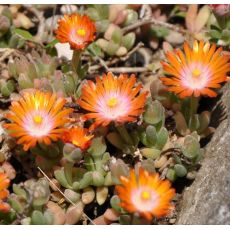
144 199
195 76
38 123
113 105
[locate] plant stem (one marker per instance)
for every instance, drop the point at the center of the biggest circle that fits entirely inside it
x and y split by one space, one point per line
75 62
124 134
193 106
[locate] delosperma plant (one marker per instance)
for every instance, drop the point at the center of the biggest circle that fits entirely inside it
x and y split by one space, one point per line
102 141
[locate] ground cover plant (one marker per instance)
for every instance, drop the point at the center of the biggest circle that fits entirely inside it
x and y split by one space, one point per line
105 109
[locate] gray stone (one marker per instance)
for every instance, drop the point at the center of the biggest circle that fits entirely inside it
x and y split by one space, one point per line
207 200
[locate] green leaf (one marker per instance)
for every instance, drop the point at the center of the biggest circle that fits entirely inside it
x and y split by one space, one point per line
128 40
111 48
15 204
154 112
95 50
151 135
38 218
24 34
215 34
86 180
115 203
191 147
150 153
19 191
181 124
160 32
68 172
52 44
162 138
115 139
89 163
103 10
117 35
194 122
171 174
180 170
98 146
225 35
60 176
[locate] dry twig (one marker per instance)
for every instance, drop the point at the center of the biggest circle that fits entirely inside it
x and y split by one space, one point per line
155 22
128 69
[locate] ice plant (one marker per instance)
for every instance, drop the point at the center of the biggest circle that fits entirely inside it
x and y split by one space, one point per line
145 194
112 98
77 136
196 71
4 184
78 30
37 117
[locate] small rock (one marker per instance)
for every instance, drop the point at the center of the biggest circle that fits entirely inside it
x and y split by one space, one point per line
68 9
207 201
63 50
172 221
174 38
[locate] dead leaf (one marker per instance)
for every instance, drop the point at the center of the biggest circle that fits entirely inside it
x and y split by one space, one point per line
58 212
202 18
190 17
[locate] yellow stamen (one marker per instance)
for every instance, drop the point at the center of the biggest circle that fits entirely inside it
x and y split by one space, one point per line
38 119
75 142
145 195
112 102
196 73
81 32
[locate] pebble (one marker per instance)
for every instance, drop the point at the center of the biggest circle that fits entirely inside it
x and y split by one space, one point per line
172 221
68 9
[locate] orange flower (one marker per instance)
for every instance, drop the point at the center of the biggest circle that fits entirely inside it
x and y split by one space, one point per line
197 70
145 194
4 193
112 99
37 117
77 30
78 137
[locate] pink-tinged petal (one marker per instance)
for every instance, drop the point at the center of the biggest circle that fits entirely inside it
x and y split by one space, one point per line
115 99
145 194
78 30
196 70
41 116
